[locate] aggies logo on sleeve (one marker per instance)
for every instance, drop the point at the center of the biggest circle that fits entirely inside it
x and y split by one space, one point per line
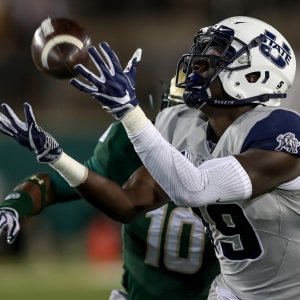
288 142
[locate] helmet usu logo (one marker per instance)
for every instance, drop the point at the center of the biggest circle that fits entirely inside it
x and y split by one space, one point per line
280 56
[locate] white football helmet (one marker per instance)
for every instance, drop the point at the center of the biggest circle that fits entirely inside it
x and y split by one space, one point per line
249 46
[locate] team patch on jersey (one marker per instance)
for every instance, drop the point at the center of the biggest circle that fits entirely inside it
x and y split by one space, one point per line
203 160
187 155
288 142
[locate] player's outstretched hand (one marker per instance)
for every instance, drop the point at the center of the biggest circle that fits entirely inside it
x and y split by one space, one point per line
114 88
9 224
29 134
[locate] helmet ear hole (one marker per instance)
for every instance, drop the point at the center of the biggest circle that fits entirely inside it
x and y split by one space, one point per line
253 77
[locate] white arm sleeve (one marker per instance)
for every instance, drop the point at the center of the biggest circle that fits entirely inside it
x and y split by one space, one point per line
222 179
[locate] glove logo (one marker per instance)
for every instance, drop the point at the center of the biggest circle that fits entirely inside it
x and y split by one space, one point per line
13 196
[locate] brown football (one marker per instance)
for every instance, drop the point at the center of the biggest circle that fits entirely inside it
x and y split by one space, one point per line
58 45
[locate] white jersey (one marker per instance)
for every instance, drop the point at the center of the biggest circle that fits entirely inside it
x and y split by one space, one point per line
257 241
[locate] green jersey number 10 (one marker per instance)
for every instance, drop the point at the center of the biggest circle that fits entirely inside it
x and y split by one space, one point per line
182 244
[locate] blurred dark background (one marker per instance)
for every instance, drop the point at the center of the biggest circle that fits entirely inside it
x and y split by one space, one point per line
164 30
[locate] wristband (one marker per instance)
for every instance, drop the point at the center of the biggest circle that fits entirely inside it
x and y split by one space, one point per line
71 170
134 120
40 182
20 201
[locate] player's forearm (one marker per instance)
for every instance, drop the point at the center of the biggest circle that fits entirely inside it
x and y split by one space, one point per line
30 196
185 184
121 204
110 198
33 190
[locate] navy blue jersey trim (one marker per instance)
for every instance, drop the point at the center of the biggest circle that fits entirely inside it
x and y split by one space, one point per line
279 131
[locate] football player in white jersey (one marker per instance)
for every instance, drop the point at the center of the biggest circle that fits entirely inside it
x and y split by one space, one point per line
240 172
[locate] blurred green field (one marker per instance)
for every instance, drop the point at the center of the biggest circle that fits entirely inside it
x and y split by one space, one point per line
58 279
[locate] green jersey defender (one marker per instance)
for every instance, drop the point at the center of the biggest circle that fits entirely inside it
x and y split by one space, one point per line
166 253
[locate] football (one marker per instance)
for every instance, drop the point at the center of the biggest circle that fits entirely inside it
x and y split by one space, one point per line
58 45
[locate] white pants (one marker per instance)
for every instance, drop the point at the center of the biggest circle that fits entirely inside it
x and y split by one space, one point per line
219 293
118 295
225 294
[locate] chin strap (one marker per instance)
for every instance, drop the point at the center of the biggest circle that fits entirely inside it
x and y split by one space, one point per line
192 100
260 98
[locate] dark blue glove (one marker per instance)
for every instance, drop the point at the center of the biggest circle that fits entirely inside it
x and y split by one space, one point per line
29 134
115 88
